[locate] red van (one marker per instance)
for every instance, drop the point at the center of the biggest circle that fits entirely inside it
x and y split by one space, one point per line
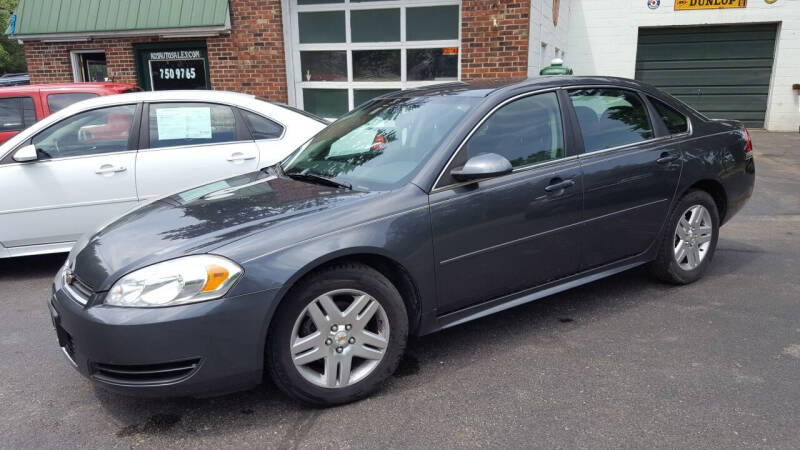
22 106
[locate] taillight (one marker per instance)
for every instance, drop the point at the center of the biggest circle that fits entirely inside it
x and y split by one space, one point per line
379 143
749 145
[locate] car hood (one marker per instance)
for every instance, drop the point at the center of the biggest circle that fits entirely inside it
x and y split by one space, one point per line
197 221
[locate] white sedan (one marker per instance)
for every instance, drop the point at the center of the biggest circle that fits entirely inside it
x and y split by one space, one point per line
97 159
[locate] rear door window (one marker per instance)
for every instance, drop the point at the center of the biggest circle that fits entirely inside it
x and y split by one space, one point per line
177 124
57 102
675 122
610 117
16 113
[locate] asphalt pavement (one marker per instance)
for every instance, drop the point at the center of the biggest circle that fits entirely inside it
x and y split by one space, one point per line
623 362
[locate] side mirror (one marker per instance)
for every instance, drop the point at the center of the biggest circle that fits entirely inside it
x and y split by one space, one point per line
27 153
487 165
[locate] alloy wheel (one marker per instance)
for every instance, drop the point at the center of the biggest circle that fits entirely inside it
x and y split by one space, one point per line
339 338
693 236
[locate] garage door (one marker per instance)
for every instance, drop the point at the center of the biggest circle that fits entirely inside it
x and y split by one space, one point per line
722 71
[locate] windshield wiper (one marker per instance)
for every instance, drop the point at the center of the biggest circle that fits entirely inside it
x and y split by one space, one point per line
319 179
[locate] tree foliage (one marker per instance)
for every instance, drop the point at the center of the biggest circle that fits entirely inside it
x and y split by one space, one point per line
12 56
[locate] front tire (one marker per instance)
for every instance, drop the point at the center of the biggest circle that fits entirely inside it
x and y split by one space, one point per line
689 239
338 335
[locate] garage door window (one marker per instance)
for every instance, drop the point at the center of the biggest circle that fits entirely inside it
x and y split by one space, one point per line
175 124
610 118
675 122
346 52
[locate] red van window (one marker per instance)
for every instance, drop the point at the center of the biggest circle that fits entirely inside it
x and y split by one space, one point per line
57 102
16 113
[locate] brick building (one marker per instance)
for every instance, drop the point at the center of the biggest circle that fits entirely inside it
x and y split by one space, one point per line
327 56
322 55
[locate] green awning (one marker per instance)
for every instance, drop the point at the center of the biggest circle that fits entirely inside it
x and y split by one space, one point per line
39 18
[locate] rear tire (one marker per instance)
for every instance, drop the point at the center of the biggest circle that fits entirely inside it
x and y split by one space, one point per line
689 239
329 344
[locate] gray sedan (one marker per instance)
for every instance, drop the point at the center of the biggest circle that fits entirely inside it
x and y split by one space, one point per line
418 211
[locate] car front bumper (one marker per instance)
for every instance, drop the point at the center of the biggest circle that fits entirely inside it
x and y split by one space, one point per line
198 349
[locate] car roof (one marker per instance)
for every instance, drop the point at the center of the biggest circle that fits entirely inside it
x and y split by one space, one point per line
486 87
283 116
167 96
89 86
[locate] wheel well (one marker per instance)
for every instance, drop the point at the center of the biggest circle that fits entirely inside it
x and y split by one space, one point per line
717 192
389 268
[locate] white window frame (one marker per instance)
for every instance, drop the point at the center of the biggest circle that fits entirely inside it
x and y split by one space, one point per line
295 79
74 58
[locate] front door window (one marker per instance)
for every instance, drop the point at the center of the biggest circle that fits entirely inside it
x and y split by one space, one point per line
103 130
526 131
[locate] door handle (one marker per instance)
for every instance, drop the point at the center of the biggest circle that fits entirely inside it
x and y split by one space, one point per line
107 169
239 157
557 184
666 158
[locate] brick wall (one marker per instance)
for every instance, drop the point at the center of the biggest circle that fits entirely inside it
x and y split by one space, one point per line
250 59
494 38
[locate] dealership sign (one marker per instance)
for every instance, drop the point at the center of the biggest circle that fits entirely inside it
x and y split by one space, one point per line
709 4
179 69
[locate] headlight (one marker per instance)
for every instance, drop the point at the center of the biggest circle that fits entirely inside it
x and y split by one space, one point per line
184 280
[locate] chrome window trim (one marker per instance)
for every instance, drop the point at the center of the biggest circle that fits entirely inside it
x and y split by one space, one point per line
539 165
65 158
478 125
542 165
621 147
180 147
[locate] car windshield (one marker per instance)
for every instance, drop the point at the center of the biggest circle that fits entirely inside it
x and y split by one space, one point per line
380 145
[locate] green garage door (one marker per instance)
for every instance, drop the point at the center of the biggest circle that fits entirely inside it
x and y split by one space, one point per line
722 71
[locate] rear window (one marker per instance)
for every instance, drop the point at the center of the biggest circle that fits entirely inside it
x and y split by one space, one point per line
57 102
261 127
16 113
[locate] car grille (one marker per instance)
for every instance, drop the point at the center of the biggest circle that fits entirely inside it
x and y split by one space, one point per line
145 374
81 287
80 291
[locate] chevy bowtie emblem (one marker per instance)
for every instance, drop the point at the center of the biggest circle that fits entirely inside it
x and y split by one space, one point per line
69 277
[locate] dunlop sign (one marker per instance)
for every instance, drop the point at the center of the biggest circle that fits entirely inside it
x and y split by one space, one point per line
709 4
